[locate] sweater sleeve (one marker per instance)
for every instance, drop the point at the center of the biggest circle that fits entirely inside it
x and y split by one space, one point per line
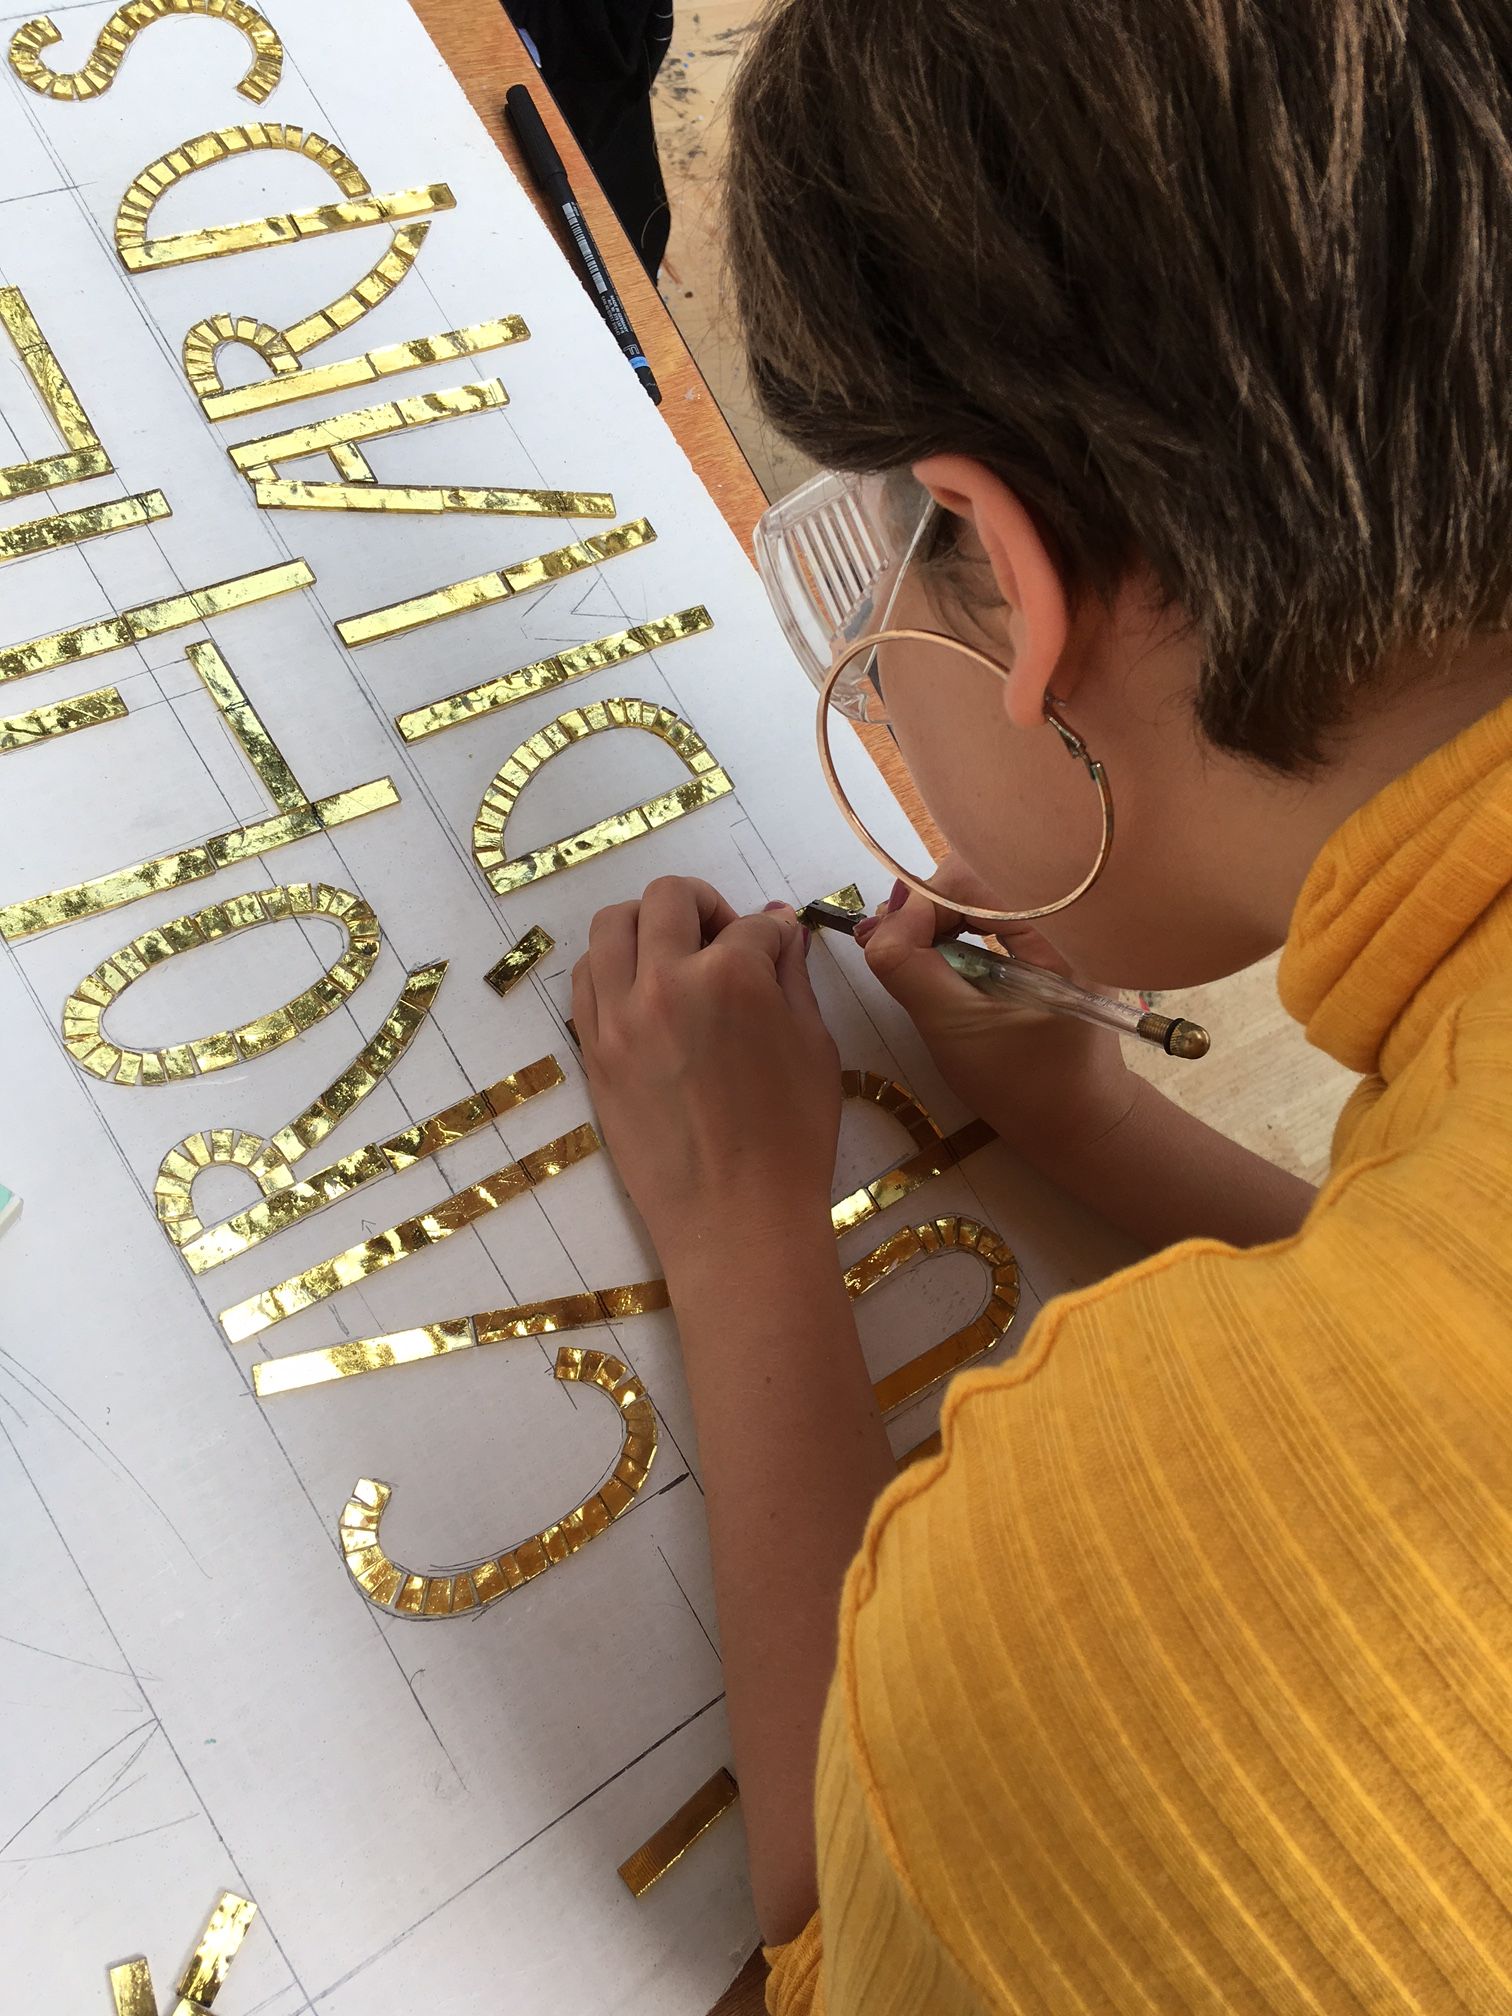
887 1956
794 1987
1169 1683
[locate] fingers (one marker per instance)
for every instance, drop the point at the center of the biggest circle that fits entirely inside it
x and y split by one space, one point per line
584 1006
762 935
946 920
1022 941
793 973
612 948
775 933
678 916
900 952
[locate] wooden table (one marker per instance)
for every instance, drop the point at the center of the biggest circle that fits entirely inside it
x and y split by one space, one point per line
486 56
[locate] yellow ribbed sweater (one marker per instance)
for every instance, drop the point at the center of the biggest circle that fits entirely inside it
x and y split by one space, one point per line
1181 1680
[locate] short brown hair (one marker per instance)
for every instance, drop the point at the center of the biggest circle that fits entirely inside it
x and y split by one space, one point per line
1222 285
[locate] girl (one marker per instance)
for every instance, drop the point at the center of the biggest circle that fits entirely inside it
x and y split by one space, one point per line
1179 336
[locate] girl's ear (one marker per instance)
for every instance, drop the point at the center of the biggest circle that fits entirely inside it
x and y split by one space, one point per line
1027 577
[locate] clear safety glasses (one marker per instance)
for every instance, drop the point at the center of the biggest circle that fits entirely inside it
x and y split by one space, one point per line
832 555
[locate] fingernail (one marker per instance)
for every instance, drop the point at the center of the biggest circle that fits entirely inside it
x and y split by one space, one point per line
897 899
864 929
775 906
808 938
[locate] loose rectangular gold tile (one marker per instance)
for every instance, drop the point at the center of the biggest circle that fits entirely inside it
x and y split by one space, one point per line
220 1942
316 380
131 1990
518 961
671 1841
91 521
152 619
339 808
480 590
66 717
546 673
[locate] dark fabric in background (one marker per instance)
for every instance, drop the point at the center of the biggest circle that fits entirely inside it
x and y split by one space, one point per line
599 58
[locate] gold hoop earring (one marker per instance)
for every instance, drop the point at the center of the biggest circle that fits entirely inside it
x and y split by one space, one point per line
1070 741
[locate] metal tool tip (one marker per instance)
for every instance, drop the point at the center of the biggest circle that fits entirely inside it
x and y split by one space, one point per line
1188 1039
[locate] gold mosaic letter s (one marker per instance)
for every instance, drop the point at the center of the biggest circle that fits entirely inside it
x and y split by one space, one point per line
113 43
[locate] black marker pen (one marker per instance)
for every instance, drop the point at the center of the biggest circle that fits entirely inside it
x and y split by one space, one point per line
551 179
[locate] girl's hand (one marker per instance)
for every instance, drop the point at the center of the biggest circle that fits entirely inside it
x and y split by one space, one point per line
1050 1085
716 1082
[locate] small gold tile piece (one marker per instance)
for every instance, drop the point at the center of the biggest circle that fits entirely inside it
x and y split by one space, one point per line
675 1837
519 960
707 782
300 1369
114 41
258 461
297 819
85 455
138 251
547 673
412 1235
84 1009
919 1242
313 381
66 717
152 619
434 1593
131 1989
480 590
290 1202
220 1942
91 521
848 898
